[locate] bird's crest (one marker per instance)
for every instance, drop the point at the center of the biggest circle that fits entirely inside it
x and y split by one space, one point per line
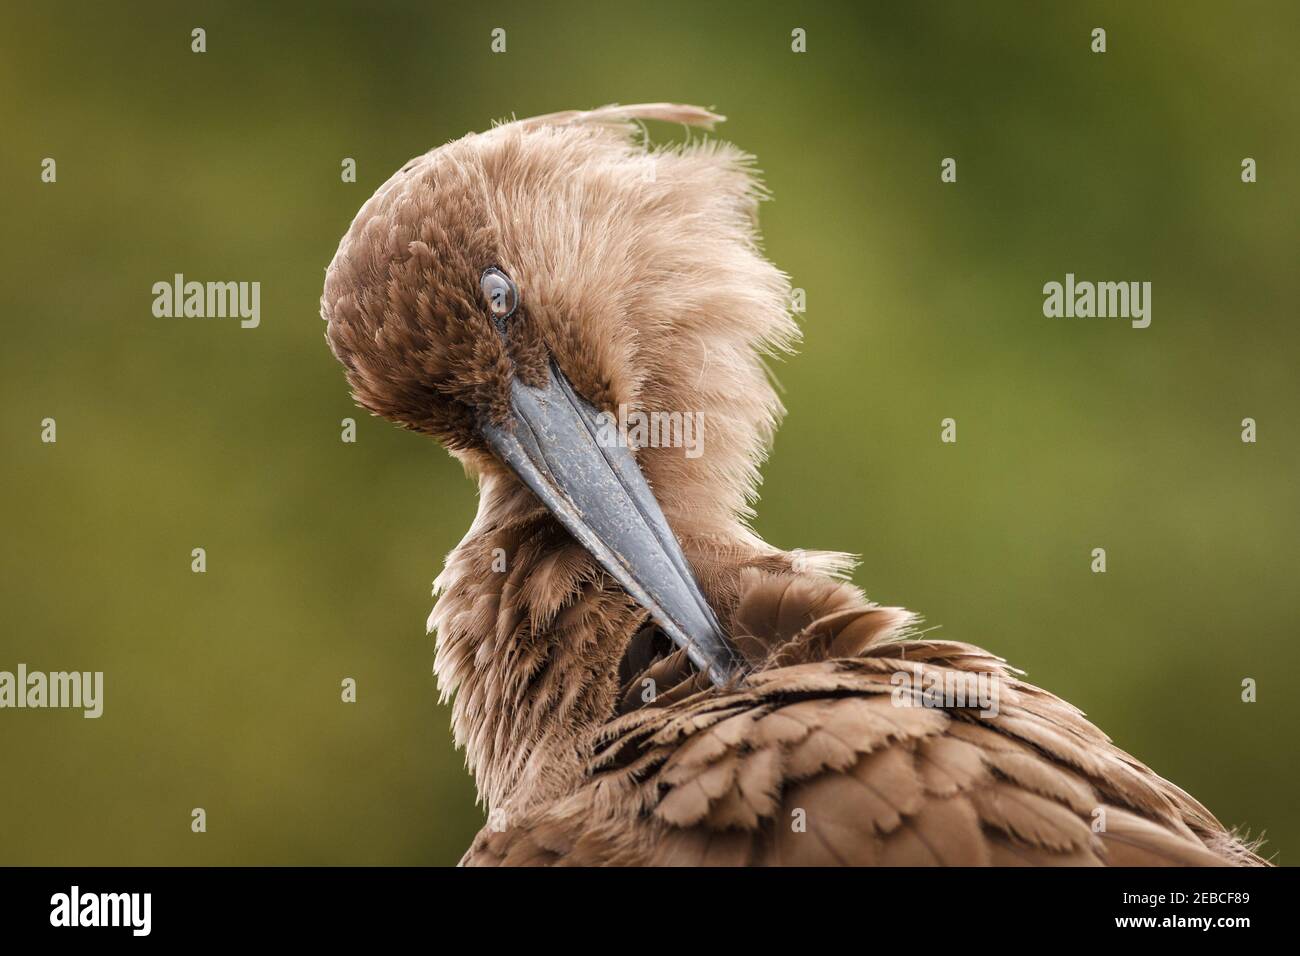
615 115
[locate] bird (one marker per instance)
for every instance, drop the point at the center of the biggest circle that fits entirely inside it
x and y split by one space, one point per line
635 676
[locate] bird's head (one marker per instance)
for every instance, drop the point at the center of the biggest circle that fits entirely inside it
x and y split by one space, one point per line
504 290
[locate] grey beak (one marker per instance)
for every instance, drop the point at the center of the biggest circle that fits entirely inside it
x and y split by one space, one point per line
600 496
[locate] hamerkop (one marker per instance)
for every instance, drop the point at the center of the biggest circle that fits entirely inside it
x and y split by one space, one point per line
637 677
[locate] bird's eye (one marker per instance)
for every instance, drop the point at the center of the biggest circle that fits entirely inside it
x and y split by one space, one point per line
500 292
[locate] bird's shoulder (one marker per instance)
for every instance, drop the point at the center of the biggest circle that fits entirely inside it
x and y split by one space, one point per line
849 743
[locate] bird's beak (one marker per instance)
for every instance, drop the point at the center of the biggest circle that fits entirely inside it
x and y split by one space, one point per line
597 492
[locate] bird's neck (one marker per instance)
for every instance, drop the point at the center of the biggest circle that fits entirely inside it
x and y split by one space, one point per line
530 632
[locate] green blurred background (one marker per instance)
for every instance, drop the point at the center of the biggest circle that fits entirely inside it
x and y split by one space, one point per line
924 301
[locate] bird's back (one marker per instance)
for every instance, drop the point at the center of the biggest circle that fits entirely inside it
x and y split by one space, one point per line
851 744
